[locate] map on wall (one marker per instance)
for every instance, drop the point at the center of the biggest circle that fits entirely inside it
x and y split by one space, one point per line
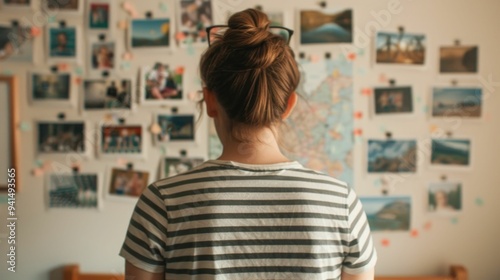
318 133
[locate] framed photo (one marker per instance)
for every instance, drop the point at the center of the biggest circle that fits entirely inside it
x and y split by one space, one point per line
459 60
390 101
457 102
388 213
107 94
16 44
17 4
392 156
400 48
445 198
62 43
172 166
176 128
150 34
102 56
78 191
193 18
127 184
61 137
51 89
64 7
121 140
451 153
161 84
326 26
99 15
9 117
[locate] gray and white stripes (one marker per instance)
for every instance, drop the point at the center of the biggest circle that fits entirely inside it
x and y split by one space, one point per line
227 220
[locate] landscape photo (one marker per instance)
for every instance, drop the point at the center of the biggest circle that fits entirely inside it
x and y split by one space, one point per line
392 156
176 128
400 48
388 213
391 100
451 152
457 102
150 33
320 27
73 191
445 198
458 59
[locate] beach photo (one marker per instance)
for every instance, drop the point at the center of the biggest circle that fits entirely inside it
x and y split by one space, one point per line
445 198
458 59
73 190
62 42
16 44
150 33
176 128
61 137
121 140
50 88
194 17
393 100
176 165
451 152
320 27
160 84
388 213
458 102
127 183
400 48
98 15
102 56
392 156
102 94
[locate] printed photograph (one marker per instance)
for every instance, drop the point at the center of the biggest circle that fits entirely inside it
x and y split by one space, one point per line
393 100
103 94
194 17
451 152
392 156
320 27
388 213
121 139
61 137
126 182
400 48
176 165
161 82
51 87
16 43
150 33
176 128
62 42
457 102
445 198
458 59
102 55
98 15
16 3
73 191
63 5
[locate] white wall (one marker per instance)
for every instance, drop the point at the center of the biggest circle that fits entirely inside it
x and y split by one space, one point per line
47 240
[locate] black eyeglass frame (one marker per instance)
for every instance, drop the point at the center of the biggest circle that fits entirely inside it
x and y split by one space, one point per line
290 31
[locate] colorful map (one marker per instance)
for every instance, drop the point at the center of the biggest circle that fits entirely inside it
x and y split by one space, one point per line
319 132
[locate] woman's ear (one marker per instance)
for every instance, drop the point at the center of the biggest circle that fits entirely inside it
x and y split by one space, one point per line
292 101
211 102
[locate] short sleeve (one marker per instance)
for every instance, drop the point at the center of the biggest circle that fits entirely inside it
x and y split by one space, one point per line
361 254
145 241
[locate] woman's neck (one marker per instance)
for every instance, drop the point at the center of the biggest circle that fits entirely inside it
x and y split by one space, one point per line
263 149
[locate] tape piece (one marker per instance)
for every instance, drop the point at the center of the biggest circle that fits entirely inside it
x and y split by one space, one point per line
414 233
36 31
386 242
351 56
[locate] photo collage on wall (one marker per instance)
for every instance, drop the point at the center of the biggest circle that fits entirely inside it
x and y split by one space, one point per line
95 84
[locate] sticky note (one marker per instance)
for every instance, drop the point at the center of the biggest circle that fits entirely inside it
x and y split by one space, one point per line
35 31
479 201
425 108
122 24
366 91
428 226
127 56
382 129
377 183
78 80
180 36
37 172
433 128
358 115
454 220
351 56
163 7
315 58
79 70
121 161
414 233
361 52
163 150
25 126
358 132
62 67
382 78
190 49
125 65
51 19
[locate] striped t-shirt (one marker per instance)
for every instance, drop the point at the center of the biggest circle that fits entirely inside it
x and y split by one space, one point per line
228 220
